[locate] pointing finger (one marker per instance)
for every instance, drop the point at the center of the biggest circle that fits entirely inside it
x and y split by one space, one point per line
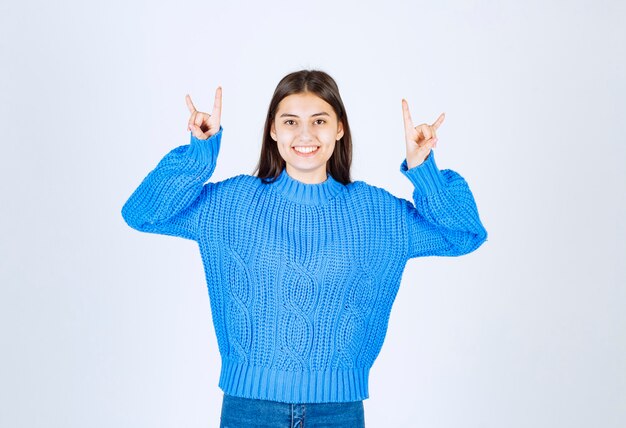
408 122
190 105
217 105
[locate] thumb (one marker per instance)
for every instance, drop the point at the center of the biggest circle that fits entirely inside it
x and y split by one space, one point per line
197 132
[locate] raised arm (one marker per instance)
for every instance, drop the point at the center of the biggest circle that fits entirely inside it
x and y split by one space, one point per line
169 199
444 220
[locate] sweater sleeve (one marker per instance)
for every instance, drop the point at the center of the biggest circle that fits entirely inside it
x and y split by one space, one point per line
444 220
169 199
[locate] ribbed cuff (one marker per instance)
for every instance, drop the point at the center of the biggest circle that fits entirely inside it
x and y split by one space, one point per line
426 177
205 151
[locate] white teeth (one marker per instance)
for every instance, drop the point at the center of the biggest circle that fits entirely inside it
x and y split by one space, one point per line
305 149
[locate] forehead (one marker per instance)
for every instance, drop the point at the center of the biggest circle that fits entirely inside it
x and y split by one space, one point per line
305 103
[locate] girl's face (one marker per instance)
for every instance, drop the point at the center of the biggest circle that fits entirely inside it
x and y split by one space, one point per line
306 129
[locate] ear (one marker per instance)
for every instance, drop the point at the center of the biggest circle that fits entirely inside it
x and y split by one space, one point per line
339 131
273 132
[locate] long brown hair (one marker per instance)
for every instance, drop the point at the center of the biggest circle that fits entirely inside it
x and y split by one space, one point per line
271 163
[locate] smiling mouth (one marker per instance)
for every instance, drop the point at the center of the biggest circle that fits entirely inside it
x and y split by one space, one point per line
305 151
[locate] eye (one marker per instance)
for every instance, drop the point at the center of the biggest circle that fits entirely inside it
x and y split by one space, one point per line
320 120
287 122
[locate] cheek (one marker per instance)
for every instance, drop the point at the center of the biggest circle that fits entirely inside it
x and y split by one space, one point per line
329 135
284 134
284 144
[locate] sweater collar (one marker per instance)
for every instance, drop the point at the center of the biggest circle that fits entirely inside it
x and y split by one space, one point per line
304 193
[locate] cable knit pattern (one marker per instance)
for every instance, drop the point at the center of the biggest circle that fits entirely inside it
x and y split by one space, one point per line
302 277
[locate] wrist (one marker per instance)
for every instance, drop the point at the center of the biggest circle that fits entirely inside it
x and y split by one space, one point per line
426 177
412 162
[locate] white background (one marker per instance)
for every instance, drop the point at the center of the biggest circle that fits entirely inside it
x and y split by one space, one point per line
103 326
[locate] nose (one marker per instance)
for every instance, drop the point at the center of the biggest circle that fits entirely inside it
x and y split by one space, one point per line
305 135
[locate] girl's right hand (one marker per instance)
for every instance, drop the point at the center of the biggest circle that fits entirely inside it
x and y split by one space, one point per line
204 125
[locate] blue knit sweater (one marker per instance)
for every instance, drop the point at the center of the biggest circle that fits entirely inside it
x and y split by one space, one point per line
302 277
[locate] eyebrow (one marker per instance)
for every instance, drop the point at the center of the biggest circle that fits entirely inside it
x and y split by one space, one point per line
313 115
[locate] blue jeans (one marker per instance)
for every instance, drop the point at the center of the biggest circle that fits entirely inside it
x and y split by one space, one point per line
238 412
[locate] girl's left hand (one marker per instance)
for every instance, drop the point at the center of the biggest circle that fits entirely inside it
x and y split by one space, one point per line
419 139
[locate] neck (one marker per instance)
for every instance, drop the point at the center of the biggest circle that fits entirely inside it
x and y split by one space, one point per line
308 177
306 193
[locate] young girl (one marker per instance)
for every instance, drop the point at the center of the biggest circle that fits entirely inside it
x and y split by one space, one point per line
302 263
